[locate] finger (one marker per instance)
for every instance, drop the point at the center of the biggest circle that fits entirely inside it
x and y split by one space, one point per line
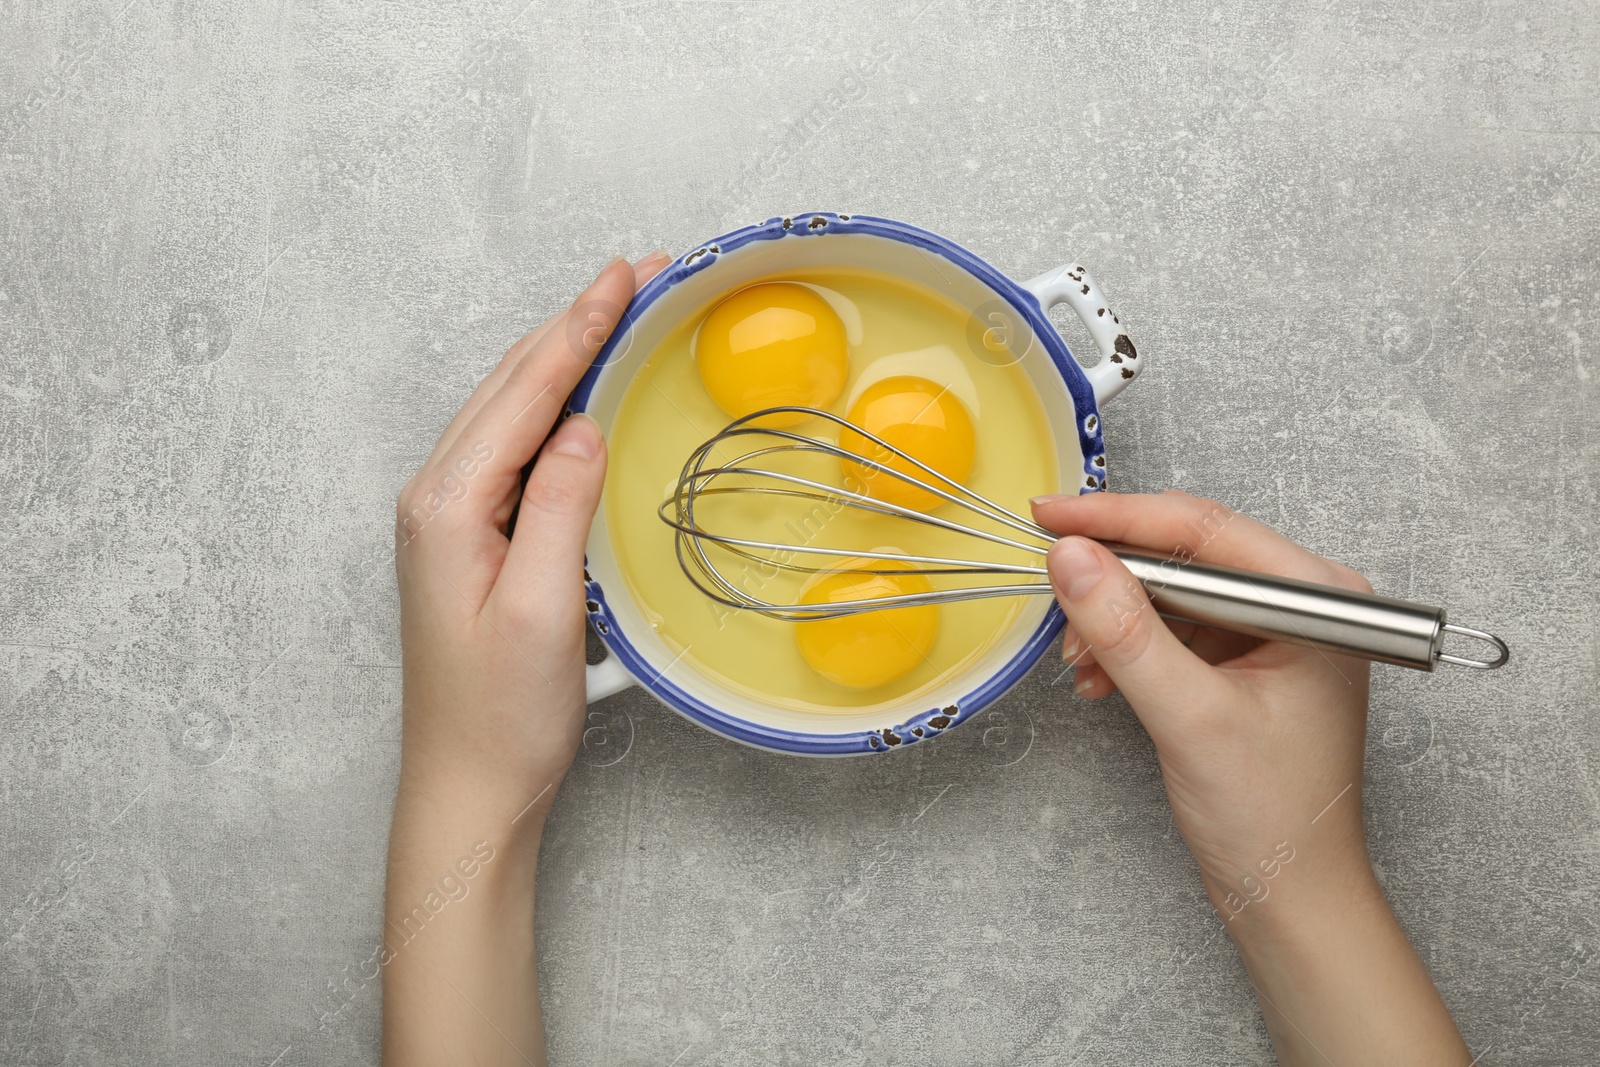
1092 682
546 555
512 423
647 267
1075 652
1088 678
492 383
644 269
1112 615
1191 528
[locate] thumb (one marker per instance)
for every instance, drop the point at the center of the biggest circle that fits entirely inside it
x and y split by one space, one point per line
557 507
1110 611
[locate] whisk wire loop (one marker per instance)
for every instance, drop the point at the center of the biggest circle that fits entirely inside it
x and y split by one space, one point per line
941 486
752 475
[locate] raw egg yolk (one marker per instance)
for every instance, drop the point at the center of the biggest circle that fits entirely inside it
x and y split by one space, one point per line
871 648
922 419
772 345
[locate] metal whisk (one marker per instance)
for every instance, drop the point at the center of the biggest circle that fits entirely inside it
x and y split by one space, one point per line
763 473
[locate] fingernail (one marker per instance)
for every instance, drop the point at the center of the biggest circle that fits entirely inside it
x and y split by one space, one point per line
1081 687
1070 649
1042 501
1078 564
579 436
650 257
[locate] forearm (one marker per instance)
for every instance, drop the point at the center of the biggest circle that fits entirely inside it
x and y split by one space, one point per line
460 982
1338 981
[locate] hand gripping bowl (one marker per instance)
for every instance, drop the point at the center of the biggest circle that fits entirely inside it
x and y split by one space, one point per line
1008 324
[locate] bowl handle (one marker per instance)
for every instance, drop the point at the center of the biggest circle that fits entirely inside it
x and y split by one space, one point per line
1119 360
604 678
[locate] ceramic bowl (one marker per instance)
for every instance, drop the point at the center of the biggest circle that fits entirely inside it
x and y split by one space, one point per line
1008 323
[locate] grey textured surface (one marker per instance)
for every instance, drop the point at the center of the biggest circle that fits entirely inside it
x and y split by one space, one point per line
255 255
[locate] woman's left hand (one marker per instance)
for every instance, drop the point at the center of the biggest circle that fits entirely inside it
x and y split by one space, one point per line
492 628
492 623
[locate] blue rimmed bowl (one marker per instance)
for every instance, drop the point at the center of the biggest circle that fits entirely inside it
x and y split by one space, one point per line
1008 324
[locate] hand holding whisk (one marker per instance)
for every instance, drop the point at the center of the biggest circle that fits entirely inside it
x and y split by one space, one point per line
771 467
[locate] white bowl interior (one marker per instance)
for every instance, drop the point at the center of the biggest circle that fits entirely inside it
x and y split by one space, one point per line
730 271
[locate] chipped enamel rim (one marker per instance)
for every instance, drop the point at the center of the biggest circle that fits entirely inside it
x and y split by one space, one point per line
1029 302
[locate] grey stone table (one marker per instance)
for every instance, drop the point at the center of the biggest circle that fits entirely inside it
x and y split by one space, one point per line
256 253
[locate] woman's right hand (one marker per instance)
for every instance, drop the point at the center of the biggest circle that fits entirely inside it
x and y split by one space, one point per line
1261 746
1255 738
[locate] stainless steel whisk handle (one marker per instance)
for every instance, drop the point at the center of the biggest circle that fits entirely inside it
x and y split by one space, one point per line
1319 616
